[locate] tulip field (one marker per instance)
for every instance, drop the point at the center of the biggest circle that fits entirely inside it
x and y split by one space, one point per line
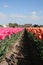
36 35
8 36
4 32
37 32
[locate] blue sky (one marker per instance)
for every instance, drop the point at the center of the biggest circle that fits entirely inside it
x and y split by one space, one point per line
21 11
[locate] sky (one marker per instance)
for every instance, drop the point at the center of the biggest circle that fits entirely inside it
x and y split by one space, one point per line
21 11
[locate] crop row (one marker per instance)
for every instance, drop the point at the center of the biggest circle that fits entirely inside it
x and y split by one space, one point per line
37 32
36 37
12 35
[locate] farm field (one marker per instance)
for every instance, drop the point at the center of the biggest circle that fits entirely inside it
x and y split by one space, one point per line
21 46
21 32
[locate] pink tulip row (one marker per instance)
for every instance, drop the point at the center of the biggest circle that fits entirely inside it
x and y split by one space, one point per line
8 31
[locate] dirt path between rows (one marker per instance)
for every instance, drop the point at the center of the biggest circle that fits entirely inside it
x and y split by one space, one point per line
10 53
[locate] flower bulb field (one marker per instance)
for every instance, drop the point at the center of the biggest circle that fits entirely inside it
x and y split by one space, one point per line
8 32
7 37
37 32
29 50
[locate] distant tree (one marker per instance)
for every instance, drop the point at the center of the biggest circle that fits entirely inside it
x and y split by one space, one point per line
1 25
35 25
13 25
10 24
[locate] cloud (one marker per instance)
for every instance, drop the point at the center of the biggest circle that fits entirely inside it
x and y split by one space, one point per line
14 17
5 6
25 17
34 12
18 16
34 17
